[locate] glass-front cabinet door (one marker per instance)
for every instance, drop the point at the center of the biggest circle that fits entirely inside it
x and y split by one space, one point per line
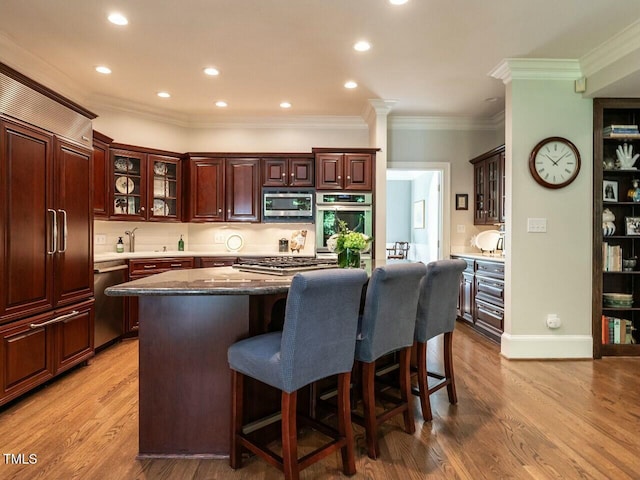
164 188
128 184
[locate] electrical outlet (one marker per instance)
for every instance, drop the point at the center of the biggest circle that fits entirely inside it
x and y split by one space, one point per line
461 228
100 239
553 321
218 238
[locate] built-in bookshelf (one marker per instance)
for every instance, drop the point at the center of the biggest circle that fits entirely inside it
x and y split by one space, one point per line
616 237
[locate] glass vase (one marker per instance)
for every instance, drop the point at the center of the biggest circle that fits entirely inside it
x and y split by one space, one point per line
349 258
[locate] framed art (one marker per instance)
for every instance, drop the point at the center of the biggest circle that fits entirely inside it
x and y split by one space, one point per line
462 201
418 214
609 190
632 225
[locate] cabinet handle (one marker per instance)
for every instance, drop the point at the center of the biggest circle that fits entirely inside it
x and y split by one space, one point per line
292 175
64 230
229 211
54 320
219 210
339 177
150 266
54 231
176 264
284 174
490 312
348 177
142 209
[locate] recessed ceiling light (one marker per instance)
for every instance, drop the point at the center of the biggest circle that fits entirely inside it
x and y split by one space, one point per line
285 105
221 103
118 19
398 2
362 46
350 84
211 71
103 69
164 94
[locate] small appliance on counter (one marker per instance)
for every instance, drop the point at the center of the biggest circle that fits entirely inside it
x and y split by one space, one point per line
283 245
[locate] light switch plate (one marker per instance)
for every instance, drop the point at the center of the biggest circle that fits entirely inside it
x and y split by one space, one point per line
537 225
461 228
219 238
100 239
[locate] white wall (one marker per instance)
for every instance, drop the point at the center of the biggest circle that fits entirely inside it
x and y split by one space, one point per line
399 206
547 272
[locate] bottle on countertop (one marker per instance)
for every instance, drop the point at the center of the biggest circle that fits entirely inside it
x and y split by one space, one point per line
181 244
120 245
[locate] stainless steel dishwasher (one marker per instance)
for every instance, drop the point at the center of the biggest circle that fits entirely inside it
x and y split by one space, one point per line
110 311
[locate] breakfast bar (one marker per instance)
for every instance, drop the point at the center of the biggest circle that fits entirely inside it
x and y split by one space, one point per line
188 319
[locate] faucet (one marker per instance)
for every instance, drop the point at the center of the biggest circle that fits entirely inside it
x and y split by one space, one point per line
132 239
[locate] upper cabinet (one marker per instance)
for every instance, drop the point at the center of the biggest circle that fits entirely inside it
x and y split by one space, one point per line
287 172
145 186
488 187
352 170
101 174
223 189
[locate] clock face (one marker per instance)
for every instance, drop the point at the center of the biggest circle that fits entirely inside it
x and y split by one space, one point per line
554 162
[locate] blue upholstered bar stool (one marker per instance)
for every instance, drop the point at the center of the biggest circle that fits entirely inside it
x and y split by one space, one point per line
387 326
318 340
437 315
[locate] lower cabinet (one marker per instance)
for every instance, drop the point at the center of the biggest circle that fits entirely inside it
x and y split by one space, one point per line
35 349
481 297
143 268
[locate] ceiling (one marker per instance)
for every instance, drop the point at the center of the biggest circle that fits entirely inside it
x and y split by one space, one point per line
432 57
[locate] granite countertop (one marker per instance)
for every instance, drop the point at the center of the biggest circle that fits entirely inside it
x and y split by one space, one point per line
203 281
492 257
106 257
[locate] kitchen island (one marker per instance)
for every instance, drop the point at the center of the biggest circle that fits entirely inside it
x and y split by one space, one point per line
188 319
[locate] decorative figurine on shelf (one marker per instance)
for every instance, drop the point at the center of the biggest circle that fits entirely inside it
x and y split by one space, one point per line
608 227
634 192
626 158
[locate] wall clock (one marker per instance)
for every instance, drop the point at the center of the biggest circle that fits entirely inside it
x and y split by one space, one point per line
554 162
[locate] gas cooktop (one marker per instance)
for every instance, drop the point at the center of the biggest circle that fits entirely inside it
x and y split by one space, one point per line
283 265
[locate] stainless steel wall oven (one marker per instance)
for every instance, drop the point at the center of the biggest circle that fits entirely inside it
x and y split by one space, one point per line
353 208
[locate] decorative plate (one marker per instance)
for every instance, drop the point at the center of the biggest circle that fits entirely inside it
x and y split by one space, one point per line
123 164
124 185
159 187
160 208
160 168
487 241
234 242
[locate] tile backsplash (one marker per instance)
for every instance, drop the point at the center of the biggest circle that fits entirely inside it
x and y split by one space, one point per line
257 238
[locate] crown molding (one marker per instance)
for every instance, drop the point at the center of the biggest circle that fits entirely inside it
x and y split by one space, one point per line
446 123
536 69
375 107
617 47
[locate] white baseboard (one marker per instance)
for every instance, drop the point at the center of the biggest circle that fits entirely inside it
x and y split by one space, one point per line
546 346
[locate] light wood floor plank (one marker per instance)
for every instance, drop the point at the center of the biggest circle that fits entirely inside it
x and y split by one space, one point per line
514 419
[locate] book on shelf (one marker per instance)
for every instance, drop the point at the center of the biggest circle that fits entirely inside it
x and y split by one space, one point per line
617 331
611 257
620 129
621 135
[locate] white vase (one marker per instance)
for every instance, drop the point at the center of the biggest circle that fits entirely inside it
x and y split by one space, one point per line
608 225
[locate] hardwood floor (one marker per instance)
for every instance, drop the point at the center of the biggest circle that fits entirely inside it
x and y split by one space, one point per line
514 419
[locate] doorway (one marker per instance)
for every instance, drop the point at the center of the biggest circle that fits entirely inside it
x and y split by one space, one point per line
417 210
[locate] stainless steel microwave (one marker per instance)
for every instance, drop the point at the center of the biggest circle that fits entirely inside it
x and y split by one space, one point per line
280 205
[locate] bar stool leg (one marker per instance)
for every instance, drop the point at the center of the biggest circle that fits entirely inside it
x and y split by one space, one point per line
369 401
344 423
235 456
448 367
405 389
423 385
290 436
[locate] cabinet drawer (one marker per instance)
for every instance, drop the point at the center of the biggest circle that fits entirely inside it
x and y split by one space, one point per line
489 314
206 262
490 290
158 265
490 269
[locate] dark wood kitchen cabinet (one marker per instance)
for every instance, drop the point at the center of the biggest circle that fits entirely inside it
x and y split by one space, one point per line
37 348
141 268
223 189
345 170
488 187
101 179
145 185
288 172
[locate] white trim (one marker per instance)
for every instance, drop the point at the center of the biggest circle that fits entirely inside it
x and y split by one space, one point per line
546 346
444 123
617 47
536 69
445 169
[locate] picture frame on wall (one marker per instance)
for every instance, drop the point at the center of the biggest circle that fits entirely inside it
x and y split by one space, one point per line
632 225
418 214
462 201
609 191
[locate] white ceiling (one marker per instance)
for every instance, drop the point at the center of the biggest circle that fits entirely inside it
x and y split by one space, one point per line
431 56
